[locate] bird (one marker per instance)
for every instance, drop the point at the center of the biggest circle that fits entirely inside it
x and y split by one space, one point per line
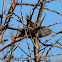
41 32
34 31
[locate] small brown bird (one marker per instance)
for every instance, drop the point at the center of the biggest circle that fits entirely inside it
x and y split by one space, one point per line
33 31
40 32
37 32
44 32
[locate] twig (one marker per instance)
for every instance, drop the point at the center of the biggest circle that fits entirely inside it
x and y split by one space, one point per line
51 46
27 4
24 51
43 19
38 5
11 44
21 12
40 12
7 8
53 11
33 10
3 10
50 55
19 18
53 24
28 45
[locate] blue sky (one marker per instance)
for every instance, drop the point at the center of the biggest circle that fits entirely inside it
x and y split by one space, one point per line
50 18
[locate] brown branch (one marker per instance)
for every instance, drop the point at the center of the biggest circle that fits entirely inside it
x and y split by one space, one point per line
11 44
40 12
34 10
38 5
52 46
28 4
8 18
29 50
26 30
22 14
53 11
2 11
15 59
50 55
18 29
11 10
53 24
36 50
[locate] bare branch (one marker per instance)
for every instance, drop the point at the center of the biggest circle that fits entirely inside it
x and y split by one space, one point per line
11 44
40 12
53 11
